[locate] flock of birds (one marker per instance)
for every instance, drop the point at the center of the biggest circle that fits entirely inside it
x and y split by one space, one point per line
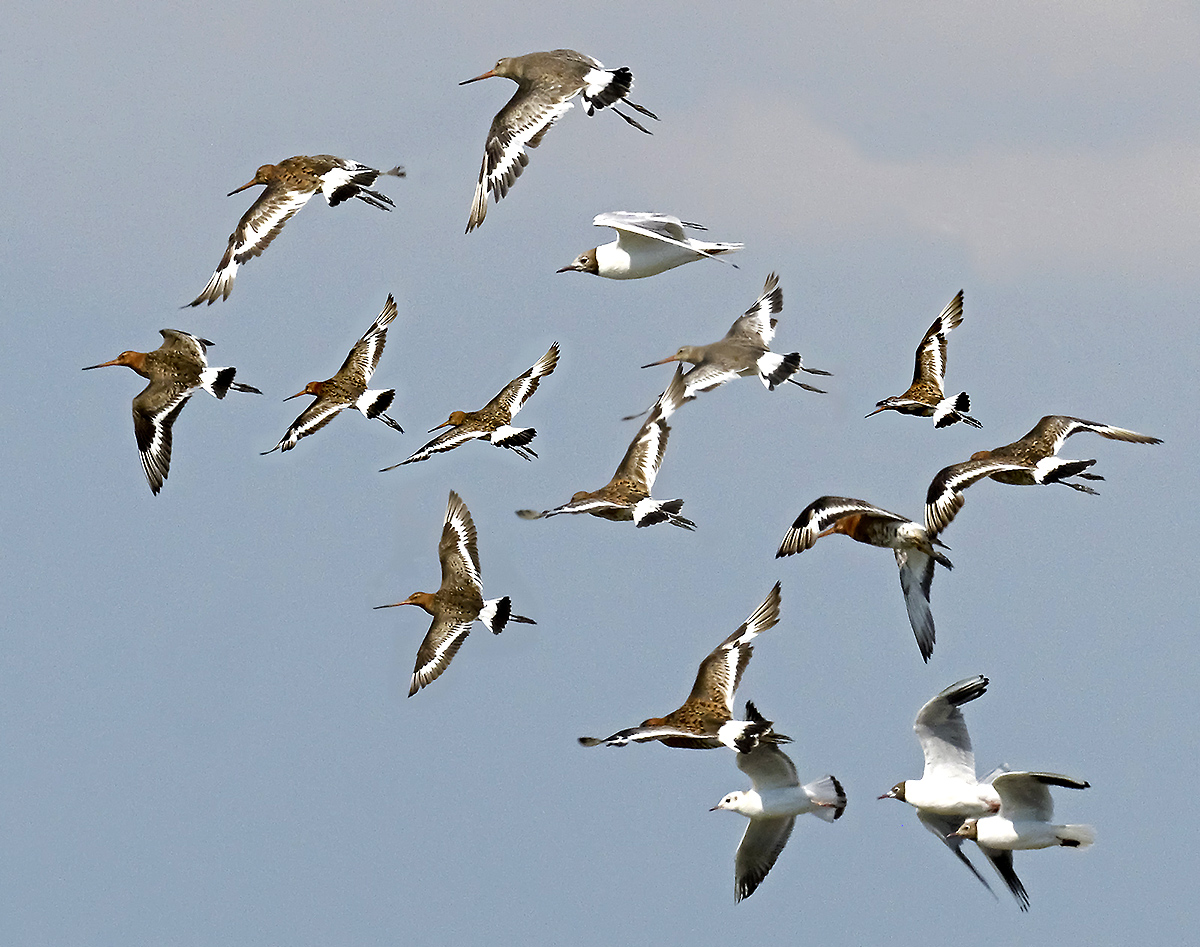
1001 812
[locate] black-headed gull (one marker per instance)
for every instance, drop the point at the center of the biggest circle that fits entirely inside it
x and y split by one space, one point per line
1023 822
948 792
646 244
772 804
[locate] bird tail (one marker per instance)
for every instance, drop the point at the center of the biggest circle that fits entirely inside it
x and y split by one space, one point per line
775 369
1076 836
216 381
374 403
515 439
950 410
828 795
497 613
650 512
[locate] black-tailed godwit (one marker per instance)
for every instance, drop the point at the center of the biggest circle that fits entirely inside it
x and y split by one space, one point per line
458 602
1027 461
646 245
626 496
347 388
705 720
289 185
546 83
745 351
175 369
866 523
925 397
492 420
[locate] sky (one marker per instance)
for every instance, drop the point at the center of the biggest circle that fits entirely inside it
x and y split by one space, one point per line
206 733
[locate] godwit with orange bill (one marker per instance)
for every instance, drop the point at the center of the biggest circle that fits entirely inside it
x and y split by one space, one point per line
492 420
866 523
289 185
627 495
1029 460
646 244
175 369
948 792
924 397
459 600
347 388
705 721
546 83
1023 823
772 804
745 351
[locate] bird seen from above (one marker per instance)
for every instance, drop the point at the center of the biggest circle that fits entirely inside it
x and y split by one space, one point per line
176 368
626 496
546 83
1022 823
492 420
925 397
646 244
866 523
289 185
347 388
745 351
458 602
705 721
948 792
1032 459
772 804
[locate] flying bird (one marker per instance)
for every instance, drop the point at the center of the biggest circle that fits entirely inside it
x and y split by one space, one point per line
289 185
458 602
627 495
1023 822
745 351
705 721
347 388
948 793
546 83
646 245
925 397
175 369
866 523
491 422
1032 459
772 804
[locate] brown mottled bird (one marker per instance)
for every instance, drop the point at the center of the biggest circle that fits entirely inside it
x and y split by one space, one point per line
1032 459
347 388
925 397
492 420
627 495
866 523
705 721
458 602
175 369
546 83
289 186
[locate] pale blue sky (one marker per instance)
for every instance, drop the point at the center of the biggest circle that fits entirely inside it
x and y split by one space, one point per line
206 738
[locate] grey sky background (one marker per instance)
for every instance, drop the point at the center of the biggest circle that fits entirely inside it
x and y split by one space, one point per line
206 738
